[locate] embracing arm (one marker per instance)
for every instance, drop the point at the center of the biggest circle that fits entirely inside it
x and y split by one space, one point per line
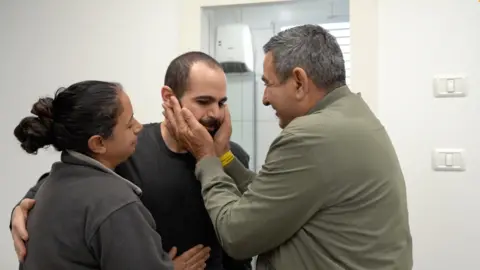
280 200
33 190
30 193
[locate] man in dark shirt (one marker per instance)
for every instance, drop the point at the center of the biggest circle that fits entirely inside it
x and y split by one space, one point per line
164 170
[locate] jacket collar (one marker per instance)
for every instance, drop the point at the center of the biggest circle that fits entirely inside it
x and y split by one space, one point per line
331 98
77 158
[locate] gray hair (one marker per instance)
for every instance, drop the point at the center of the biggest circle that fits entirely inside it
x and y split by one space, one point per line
311 48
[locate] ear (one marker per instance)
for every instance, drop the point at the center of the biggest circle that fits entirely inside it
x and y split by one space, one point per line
301 80
167 93
97 144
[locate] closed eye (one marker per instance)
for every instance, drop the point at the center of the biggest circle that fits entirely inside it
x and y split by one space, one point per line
203 102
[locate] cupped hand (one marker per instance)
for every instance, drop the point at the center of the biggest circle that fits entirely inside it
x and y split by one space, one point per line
188 131
222 137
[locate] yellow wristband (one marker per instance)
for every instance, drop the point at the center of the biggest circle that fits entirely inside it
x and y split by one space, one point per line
227 158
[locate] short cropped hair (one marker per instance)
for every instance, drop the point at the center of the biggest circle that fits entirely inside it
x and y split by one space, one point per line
178 72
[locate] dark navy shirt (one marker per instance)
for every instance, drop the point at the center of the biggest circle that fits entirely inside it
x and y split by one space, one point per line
172 194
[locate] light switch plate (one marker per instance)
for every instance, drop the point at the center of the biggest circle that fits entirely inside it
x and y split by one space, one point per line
450 85
448 159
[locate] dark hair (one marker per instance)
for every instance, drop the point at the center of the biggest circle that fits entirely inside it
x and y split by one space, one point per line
178 71
312 48
69 119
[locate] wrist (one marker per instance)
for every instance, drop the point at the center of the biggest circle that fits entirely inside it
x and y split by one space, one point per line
205 154
227 158
222 150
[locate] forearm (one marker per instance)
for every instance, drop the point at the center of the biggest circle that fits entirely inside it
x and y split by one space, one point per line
237 233
276 203
29 195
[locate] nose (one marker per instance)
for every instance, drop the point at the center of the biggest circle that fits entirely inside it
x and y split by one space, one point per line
265 98
214 111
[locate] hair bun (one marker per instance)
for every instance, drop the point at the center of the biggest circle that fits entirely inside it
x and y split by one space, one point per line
43 108
35 132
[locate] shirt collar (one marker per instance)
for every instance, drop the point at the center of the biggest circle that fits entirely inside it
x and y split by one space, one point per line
331 98
98 165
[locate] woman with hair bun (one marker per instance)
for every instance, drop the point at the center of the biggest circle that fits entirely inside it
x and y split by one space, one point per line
85 215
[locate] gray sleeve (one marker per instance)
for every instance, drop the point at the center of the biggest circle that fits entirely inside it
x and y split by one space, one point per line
30 194
33 190
127 239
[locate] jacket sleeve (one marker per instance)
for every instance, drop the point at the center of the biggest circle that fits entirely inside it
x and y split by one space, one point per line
242 160
277 203
30 194
33 190
127 239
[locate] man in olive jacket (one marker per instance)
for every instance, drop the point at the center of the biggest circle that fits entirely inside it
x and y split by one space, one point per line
331 194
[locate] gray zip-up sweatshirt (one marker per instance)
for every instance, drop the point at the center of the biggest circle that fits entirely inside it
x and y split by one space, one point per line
88 217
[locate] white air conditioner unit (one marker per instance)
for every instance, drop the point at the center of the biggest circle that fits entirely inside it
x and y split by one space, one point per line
234 48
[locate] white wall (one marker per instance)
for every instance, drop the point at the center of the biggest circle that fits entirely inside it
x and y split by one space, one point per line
443 206
418 39
264 21
46 44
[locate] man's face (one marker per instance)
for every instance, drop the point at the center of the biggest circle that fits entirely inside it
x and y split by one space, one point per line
281 96
206 95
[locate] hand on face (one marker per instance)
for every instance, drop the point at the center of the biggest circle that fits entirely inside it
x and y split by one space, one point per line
187 130
222 136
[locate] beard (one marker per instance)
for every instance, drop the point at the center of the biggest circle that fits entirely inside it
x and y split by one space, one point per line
211 124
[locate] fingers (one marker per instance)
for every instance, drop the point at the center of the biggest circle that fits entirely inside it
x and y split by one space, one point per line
169 120
168 114
190 120
19 230
19 223
199 259
187 255
226 124
224 132
177 112
27 204
226 117
197 266
20 248
172 253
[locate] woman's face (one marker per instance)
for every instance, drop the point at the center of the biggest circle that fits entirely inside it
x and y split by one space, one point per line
121 145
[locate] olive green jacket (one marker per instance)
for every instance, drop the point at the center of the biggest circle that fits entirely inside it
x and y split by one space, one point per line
331 195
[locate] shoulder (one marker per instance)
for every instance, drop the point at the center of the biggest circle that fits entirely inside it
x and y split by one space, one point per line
347 116
149 131
237 149
240 153
111 194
